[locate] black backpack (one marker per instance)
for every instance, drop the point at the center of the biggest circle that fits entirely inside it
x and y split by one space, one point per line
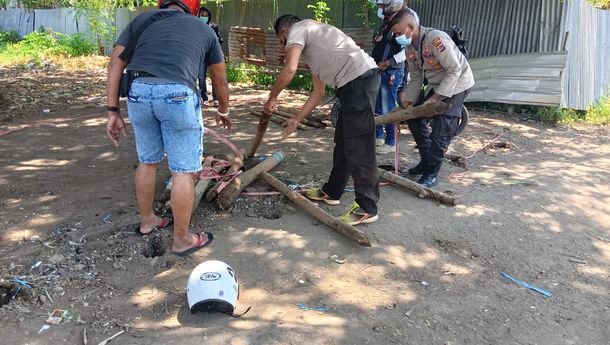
456 33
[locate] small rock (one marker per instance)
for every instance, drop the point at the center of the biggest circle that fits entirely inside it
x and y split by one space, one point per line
57 258
42 299
78 267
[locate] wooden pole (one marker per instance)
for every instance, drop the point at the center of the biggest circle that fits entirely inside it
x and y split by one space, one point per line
308 122
276 119
202 184
227 196
260 133
421 191
311 208
401 115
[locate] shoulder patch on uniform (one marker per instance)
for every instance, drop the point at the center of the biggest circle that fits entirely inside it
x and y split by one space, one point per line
438 43
426 53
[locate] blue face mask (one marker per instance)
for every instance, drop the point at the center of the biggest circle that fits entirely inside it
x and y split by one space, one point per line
204 19
403 40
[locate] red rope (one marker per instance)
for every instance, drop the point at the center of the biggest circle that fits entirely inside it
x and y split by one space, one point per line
463 174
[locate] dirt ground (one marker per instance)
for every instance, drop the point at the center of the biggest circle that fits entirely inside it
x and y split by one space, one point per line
536 207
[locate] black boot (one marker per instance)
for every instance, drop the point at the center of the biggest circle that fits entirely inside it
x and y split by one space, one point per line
429 178
419 169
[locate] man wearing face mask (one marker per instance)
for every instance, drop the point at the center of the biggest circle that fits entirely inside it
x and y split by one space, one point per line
205 16
390 57
432 55
336 60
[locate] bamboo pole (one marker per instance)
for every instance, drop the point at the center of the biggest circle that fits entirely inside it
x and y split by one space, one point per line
227 196
421 191
311 208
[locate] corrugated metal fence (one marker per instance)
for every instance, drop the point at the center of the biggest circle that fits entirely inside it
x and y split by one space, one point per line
498 27
587 75
494 27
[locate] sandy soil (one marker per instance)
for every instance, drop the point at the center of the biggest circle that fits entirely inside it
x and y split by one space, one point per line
537 209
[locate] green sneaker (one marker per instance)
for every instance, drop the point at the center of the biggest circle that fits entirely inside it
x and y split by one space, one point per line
318 195
355 215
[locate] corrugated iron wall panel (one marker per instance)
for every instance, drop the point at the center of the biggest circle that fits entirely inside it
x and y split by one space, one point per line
18 20
587 76
534 78
497 26
260 47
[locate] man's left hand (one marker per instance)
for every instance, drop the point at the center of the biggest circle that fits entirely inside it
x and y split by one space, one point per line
270 105
290 126
383 65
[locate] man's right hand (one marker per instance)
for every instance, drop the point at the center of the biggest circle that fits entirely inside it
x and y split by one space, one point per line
115 127
225 122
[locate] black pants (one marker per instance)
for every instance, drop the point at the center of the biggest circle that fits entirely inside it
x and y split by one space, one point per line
434 136
354 152
204 88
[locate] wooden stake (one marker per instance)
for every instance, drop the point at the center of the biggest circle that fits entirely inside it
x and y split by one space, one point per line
227 196
260 133
202 184
420 190
305 121
400 115
311 208
277 119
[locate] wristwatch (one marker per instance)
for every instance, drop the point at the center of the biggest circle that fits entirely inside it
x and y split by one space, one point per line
113 109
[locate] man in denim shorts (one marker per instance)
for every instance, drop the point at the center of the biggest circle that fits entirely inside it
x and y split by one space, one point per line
165 108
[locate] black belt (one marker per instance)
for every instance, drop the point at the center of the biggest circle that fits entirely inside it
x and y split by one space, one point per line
140 74
368 73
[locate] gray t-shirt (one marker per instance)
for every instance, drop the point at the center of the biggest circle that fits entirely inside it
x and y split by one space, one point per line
330 54
176 48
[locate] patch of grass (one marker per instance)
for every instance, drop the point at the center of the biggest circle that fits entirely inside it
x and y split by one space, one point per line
558 116
39 46
599 113
596 114
261 76
8 37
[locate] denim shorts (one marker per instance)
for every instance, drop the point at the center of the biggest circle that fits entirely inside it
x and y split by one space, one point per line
166 118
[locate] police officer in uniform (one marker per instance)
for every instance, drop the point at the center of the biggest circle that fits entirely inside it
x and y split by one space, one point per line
433 56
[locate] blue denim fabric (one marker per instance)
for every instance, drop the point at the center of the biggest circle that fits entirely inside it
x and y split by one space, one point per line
387 100
166 118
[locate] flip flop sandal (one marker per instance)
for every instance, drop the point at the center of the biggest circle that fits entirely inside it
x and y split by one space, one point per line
165 222
201 243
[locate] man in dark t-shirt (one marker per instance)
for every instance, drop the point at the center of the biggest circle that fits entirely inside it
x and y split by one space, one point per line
165 108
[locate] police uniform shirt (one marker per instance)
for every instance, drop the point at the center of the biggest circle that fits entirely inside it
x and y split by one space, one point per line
330 54
440 61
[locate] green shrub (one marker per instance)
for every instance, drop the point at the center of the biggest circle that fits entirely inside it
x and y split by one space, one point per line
37 45
261 76
599 113
558 116
75 45
7 37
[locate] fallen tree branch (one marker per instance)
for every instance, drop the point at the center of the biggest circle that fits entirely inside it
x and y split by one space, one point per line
311 208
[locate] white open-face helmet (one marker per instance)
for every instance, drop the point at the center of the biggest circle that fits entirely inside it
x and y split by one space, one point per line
390 6
212 286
